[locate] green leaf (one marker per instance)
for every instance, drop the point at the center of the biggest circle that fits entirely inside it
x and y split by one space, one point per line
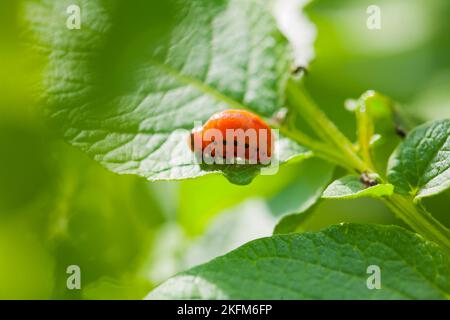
129 85
420 166
291 222
331 264
303 192
294 188
243 174
297 201
268 200
351 187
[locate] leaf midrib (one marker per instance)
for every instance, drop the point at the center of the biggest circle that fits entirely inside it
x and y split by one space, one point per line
201 86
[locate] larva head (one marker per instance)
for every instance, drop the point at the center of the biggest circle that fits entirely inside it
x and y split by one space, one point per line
196 139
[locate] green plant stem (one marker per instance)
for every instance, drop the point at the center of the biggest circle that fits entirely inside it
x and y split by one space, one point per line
319 149
419 219
323 126
413 215
365 133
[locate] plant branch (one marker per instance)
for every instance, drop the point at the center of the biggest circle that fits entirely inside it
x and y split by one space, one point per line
419 219
320 149
365 133
345 155
323 126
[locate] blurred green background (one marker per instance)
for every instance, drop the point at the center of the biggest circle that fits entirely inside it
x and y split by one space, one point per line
58 207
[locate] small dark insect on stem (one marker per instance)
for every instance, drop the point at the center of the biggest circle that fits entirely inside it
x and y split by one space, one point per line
399 131
368 181
295 70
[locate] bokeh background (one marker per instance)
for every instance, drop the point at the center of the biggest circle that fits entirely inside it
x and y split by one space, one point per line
58 207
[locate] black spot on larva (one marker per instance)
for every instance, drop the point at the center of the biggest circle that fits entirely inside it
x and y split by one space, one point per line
192 141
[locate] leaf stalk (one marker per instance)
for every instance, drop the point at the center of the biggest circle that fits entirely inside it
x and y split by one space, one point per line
336 147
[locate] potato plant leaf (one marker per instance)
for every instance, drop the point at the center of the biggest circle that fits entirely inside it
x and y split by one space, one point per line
129 84
420 166
291 222
351 187
331 264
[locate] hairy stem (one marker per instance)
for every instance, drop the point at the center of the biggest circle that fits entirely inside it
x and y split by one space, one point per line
365 130
323 126
419 219
320 149
345 156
